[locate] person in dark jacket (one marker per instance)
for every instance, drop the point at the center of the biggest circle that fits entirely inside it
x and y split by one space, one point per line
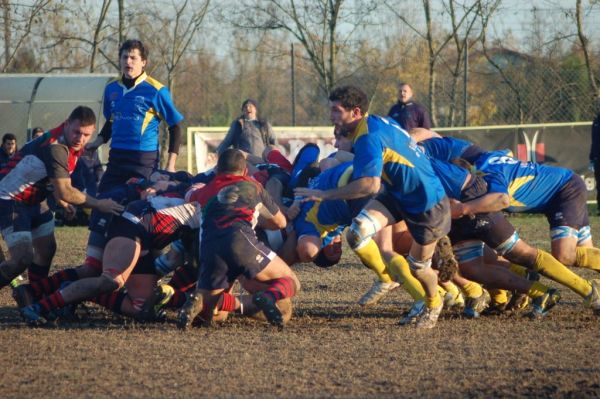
408 113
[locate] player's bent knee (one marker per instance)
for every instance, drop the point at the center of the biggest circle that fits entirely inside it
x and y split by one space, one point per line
418 265
307 253
111 280
363 227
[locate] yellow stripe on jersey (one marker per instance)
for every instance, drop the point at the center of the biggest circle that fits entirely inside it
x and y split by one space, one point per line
312 217
154 83
361 129
391 156
514 186
345 177
151 113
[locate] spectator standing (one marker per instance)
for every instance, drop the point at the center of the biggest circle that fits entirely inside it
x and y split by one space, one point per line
248 133
408 113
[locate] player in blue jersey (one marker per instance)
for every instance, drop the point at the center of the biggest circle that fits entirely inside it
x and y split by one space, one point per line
446 148
386 153
134 106
470 232
556 192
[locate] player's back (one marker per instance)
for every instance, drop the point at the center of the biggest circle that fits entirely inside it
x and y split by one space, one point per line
530 185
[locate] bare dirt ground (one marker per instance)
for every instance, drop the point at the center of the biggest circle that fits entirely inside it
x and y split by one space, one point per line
331 348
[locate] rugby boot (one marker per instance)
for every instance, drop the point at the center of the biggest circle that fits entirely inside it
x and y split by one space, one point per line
474 306
593 299
190 309
495 309
22 295
267 305
413 313
543 304
376 292
428 319
518 301
32 315
157 301
454 301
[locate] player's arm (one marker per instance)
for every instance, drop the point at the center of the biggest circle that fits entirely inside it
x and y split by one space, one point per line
491 202
65 192
362 187
270 216
174 144
421 134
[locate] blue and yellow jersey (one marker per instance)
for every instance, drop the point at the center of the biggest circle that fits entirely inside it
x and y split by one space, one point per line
318 218
382 149
529 185
136 113
451 176
445 148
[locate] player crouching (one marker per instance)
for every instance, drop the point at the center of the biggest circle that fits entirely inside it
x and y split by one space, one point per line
232 204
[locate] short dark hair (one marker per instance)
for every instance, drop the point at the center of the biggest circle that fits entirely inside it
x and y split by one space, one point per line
85 115
133 44
8 136
350 97
231 161
37 130
405 84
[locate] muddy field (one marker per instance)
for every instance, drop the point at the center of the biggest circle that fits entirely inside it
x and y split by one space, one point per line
332 348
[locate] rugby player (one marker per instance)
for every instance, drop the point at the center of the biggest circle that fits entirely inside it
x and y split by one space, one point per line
560 195
143 226
232 205
26 222
385 152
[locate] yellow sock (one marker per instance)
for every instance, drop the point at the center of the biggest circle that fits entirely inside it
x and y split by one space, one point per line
472 289
498 296
398 266
537 289
433 302
518 269
547 265
451 288
371 258
588 257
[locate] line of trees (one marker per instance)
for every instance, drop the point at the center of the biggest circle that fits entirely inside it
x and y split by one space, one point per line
462 63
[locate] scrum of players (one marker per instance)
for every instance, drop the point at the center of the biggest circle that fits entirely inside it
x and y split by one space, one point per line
422 211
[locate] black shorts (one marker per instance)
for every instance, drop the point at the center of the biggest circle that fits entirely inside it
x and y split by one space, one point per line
425 227
145 265
491 228
568 207
122 227
224 260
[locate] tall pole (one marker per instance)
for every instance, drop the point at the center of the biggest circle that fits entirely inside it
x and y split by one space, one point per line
465 83
293 86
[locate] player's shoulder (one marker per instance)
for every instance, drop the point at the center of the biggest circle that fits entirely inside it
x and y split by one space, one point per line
154 83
